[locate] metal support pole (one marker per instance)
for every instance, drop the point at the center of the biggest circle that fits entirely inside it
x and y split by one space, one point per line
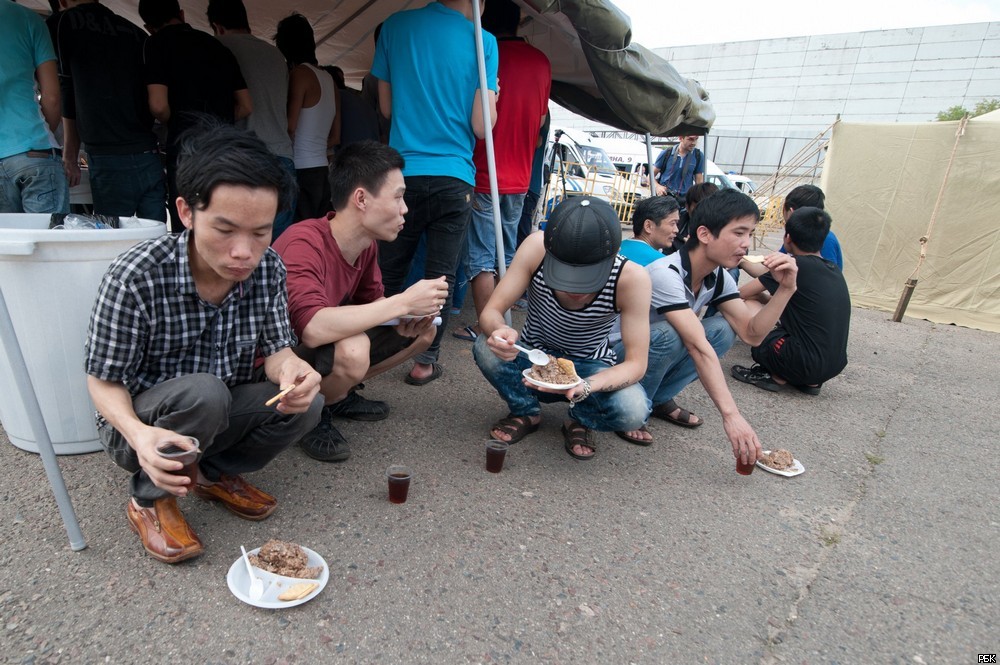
490 154
8 339
649 165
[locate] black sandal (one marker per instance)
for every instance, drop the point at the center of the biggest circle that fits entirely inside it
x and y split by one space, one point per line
636 441
577 435
683 418
516 427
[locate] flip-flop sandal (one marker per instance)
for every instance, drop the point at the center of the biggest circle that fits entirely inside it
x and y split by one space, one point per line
516 427
468 333
683 418
436 371
632 439
578 435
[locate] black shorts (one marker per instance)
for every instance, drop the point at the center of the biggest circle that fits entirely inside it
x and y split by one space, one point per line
778 354
385 343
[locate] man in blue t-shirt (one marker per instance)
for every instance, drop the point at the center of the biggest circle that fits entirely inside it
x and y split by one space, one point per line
428 82
679 167
654 227
31 171
803 196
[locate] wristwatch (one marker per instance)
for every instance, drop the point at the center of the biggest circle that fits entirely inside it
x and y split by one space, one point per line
576 399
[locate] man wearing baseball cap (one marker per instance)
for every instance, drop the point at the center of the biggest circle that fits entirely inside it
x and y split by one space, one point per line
577 287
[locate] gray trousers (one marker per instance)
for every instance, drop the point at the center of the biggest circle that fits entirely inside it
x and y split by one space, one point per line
237 433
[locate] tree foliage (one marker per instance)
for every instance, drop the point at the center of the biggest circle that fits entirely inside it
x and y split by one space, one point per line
958 112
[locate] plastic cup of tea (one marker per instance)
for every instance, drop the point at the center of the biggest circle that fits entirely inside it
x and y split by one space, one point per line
186 453
496 451
744 469
399 482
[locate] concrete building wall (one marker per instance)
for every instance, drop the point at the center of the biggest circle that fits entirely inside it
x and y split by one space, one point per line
801 83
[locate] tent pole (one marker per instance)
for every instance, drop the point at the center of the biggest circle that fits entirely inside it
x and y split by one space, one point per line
911 282
649 165
8 340
488 139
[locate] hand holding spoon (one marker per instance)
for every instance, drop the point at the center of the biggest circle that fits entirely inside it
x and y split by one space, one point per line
536 356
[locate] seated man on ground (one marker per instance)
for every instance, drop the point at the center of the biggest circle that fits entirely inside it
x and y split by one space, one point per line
176 328
800 197
577 286
684 347
654 227
809 344
335 295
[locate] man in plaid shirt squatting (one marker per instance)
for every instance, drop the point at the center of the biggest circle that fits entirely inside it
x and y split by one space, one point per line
176 337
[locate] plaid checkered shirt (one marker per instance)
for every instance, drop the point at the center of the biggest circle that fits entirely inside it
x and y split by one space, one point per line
149 324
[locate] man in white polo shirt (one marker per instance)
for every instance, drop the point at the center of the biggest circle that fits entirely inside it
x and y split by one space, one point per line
684 347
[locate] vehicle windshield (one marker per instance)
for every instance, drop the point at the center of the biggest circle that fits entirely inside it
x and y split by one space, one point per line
597 158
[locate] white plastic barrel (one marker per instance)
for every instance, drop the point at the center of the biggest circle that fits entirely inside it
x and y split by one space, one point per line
50 279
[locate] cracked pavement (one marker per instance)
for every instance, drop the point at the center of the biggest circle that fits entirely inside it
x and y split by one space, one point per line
883 551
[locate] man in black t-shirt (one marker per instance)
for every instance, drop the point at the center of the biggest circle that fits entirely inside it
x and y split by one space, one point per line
188 72
809 344
105 108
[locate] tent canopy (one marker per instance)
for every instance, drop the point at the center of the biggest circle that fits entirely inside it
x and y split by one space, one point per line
596 71
882 182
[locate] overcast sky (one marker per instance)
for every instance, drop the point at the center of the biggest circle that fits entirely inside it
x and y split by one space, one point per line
656 23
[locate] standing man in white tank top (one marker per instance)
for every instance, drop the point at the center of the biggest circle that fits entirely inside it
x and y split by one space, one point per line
313 121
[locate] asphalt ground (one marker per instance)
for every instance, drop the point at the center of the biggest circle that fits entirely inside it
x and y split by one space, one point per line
883 551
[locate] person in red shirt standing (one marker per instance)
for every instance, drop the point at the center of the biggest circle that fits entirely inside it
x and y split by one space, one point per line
527 79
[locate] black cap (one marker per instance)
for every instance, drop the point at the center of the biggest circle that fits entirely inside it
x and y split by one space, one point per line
582 238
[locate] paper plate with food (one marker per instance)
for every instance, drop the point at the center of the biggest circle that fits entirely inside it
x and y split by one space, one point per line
780 462
559 374
292 575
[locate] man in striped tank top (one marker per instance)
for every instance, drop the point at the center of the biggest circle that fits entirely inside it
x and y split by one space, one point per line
577 287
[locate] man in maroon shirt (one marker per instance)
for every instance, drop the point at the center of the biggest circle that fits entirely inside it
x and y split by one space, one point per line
349 331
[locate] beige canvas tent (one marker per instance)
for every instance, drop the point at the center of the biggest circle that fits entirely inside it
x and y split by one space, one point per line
882 182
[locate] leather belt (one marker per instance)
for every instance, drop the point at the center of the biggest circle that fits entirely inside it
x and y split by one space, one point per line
51 152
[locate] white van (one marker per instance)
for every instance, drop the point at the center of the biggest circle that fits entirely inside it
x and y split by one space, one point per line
587 169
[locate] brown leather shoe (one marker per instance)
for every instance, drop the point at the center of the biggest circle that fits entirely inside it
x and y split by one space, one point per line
163 530
239 497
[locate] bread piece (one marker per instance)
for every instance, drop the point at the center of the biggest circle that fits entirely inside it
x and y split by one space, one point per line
753 258
297 591
568 367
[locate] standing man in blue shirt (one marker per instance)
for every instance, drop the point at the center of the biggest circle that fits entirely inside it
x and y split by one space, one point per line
31 170
425 63
677 168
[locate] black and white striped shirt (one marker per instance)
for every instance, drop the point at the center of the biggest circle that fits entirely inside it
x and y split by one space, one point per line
572 333
149 324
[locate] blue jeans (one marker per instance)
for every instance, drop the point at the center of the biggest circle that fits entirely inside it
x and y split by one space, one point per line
619 411
480 253
33 184
126 185
439 208
670 366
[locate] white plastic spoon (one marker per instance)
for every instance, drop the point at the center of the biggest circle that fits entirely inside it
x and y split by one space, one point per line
536 356
256 584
